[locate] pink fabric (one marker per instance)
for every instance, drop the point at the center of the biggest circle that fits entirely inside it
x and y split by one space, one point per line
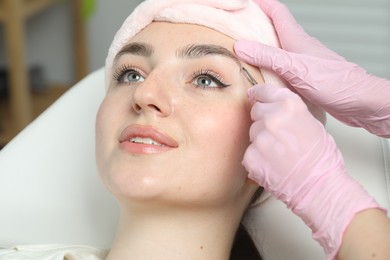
228 17
293 157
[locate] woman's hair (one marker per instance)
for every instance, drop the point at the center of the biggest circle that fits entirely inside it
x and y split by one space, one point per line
243 244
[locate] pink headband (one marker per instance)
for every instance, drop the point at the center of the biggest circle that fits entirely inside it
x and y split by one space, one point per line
239 19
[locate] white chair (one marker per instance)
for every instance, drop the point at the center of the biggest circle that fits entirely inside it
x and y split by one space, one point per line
50 191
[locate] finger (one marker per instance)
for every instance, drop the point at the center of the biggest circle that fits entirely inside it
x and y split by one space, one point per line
299 70
264 56
280 61
252 162
267 93
260 111
287 65
255 53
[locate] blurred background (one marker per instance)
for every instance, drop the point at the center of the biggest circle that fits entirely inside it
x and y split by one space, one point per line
48 45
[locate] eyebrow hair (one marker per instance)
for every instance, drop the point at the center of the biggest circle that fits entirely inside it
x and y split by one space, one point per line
192 51
136 48
200 50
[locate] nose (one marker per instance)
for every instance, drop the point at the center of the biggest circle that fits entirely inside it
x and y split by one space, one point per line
152 97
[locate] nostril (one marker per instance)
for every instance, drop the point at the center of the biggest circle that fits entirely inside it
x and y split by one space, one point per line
137 107
155 108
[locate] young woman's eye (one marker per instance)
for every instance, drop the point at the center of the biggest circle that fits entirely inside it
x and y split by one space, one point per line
208 80
132 76
128 75
205 82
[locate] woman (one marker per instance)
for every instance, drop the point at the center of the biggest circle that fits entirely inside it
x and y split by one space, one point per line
166 151
172 131
174 126
163 66
315 167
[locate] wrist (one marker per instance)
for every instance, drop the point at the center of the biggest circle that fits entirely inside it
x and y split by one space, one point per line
329 207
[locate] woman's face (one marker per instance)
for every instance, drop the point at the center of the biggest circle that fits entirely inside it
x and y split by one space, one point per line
173 126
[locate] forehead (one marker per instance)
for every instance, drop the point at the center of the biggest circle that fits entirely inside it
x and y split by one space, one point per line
166 34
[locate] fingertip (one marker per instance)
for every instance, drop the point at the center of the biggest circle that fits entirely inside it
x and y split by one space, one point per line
268 93
249 93
259 54
252 92
245 49
242 43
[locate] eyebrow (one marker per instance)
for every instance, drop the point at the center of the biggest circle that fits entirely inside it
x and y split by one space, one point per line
193 51
136 48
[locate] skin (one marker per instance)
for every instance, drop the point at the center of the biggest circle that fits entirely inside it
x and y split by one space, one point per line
367 237
185 201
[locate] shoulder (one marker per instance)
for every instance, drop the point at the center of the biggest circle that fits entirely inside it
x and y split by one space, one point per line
53 252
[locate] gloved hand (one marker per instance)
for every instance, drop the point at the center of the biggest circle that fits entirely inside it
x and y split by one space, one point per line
341 88
292 156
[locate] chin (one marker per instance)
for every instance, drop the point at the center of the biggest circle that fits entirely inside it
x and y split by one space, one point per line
127 182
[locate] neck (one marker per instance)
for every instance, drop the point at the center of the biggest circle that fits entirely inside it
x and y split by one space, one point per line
174 234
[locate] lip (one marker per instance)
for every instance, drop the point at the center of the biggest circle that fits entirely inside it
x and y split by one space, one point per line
143 131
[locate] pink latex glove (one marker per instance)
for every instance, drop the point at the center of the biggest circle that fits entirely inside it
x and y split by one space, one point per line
292 156
341 88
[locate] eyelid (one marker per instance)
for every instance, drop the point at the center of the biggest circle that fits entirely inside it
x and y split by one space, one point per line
123 69
212 75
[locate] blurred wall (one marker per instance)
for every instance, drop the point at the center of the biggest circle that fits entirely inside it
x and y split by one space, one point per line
48 37
357 29
103 25
48 43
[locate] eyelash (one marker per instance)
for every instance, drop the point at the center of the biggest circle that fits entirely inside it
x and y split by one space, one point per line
211 75
121 72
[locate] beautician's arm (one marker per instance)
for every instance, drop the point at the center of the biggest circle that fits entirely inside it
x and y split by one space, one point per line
293 157
342 88
367 237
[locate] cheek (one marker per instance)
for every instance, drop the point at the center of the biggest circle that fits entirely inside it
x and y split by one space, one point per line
223 136
235 137
104 133
233 126
99 134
